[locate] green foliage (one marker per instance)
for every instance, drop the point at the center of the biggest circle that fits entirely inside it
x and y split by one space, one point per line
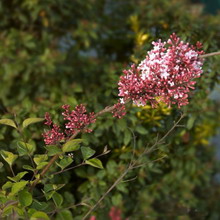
25 148
53 150
94 162
87 152
71 145
64 162
70 52
30 121
25 198
8 122
8 157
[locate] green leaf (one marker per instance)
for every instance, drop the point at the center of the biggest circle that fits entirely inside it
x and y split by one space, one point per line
3 197
58 199
127 137
116 199
8 210
65 162
18 186
53 150
39 216
50 187
25 198
49 195
141 130
30 121
190 122
64 215
27 167
18 176
71 145
95 163
87 152
8 122
39 158
8 157
41 165
25 148
39 205
1 165
7 185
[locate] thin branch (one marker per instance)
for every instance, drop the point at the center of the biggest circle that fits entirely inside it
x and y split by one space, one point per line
70 168
141 165
134 146
129 180
79 165
12 171
210 54
131 167
107 192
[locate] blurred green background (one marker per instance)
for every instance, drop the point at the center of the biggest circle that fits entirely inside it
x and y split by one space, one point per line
56 52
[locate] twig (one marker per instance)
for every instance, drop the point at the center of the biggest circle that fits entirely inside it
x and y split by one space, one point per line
70 168
131 167
12 170
79 165
107 192
210 54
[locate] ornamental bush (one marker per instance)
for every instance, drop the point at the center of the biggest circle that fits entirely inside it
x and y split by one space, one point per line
154 158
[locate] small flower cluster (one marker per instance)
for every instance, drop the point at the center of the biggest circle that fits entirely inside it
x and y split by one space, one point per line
78 120
119 110
166 74
114 214
54 135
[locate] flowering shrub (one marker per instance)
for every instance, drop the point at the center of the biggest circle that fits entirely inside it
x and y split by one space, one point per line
147 164
165 75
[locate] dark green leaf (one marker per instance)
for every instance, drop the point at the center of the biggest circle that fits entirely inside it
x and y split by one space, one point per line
87 152
64 215
53 150
58 199
25 148
66 161
141 130
25 198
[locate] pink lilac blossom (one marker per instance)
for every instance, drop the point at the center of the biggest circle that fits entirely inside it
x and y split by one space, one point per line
119 110
78 119
54 135
114 214
48 119
166 74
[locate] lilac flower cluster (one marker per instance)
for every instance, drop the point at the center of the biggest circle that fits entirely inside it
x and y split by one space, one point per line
78 120
166 74
54 135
